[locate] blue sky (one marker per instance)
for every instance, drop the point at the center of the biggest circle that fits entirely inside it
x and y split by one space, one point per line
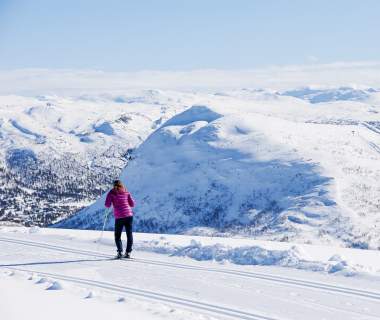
117 35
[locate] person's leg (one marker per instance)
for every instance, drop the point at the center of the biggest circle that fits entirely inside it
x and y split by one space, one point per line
128 230
118 230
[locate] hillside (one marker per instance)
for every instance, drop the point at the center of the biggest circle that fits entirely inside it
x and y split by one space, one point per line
58 154
274 165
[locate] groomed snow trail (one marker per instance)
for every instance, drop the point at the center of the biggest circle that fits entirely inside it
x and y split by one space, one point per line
205 289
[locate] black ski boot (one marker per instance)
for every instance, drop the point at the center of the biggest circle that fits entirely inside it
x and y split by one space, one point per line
127 255
119 255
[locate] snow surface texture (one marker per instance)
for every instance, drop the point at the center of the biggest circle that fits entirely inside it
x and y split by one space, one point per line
274 165
73 274
71 302
248 255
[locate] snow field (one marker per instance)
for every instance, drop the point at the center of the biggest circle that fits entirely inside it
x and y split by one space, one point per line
238 251
180 286
43 297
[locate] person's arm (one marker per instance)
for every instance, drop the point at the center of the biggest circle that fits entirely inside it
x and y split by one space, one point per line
131 202
108 202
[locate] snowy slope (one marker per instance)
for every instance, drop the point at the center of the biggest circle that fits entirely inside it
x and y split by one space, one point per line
273 165
67 273
59 153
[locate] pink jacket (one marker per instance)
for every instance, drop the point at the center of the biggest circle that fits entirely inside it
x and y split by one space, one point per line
122 203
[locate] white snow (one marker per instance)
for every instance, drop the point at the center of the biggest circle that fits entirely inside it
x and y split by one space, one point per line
65 273
27 299
63 123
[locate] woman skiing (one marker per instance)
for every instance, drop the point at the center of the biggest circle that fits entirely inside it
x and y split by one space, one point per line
122 203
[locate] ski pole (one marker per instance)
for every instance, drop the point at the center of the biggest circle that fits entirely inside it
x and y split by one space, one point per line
107 211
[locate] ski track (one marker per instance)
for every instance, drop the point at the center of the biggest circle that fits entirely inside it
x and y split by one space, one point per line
155 296
262 276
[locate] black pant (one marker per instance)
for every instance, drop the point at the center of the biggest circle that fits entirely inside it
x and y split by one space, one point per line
119 224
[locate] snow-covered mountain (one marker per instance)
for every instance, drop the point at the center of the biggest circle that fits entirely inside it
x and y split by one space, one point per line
327 95
58 154
300 165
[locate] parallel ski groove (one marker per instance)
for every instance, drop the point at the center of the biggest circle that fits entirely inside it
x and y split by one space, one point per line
262 276
156 296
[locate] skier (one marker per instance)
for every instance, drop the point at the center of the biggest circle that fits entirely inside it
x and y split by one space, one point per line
122 203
